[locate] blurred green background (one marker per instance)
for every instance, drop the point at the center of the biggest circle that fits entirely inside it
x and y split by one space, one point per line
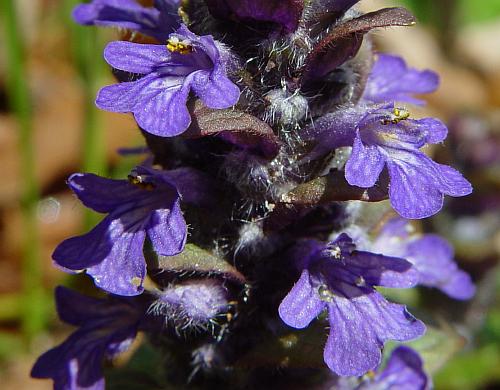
50 70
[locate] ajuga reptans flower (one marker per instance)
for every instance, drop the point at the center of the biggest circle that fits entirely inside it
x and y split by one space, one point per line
275 135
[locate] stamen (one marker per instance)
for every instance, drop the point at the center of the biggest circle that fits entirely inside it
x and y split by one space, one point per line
360 281
398 115
325 294
175 45
140 182
370 374
334 251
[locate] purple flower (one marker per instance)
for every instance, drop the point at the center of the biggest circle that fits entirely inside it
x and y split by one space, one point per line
192 303
384 137
106 328
112 253
341 279
430 254
158 100
404 371
391 80
158 21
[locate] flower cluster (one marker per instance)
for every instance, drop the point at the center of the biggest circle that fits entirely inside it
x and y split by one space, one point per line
266 121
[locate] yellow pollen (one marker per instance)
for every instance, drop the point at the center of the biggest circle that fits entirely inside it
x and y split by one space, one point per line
175 45
370 374
139 182
325 294
335 252
398 115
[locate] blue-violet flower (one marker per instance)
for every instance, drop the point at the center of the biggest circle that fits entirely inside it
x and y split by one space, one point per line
391 80
106 328
158 21
158 100
430 254
403 371
341 279
112 253
385 137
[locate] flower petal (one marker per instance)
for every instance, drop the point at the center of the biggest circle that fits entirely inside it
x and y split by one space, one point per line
380 270
418 184
366 268
333 130
75 308
414 189
81 252
215 90
107 327
122 272
124 97
164 114
403 371
167 230
134 57
122 13
432 256
76 363
111 254
435 130
365 164
459 286
157 22
392 80
359 328
302 304
194 186
101 194
452 181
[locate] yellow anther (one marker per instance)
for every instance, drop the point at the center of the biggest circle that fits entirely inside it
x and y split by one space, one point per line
325 294
139 181
370 374
335 252
175 45
398 115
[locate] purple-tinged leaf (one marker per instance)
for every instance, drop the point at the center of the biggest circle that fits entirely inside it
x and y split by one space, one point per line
320 14
333 188
235 127
344 40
